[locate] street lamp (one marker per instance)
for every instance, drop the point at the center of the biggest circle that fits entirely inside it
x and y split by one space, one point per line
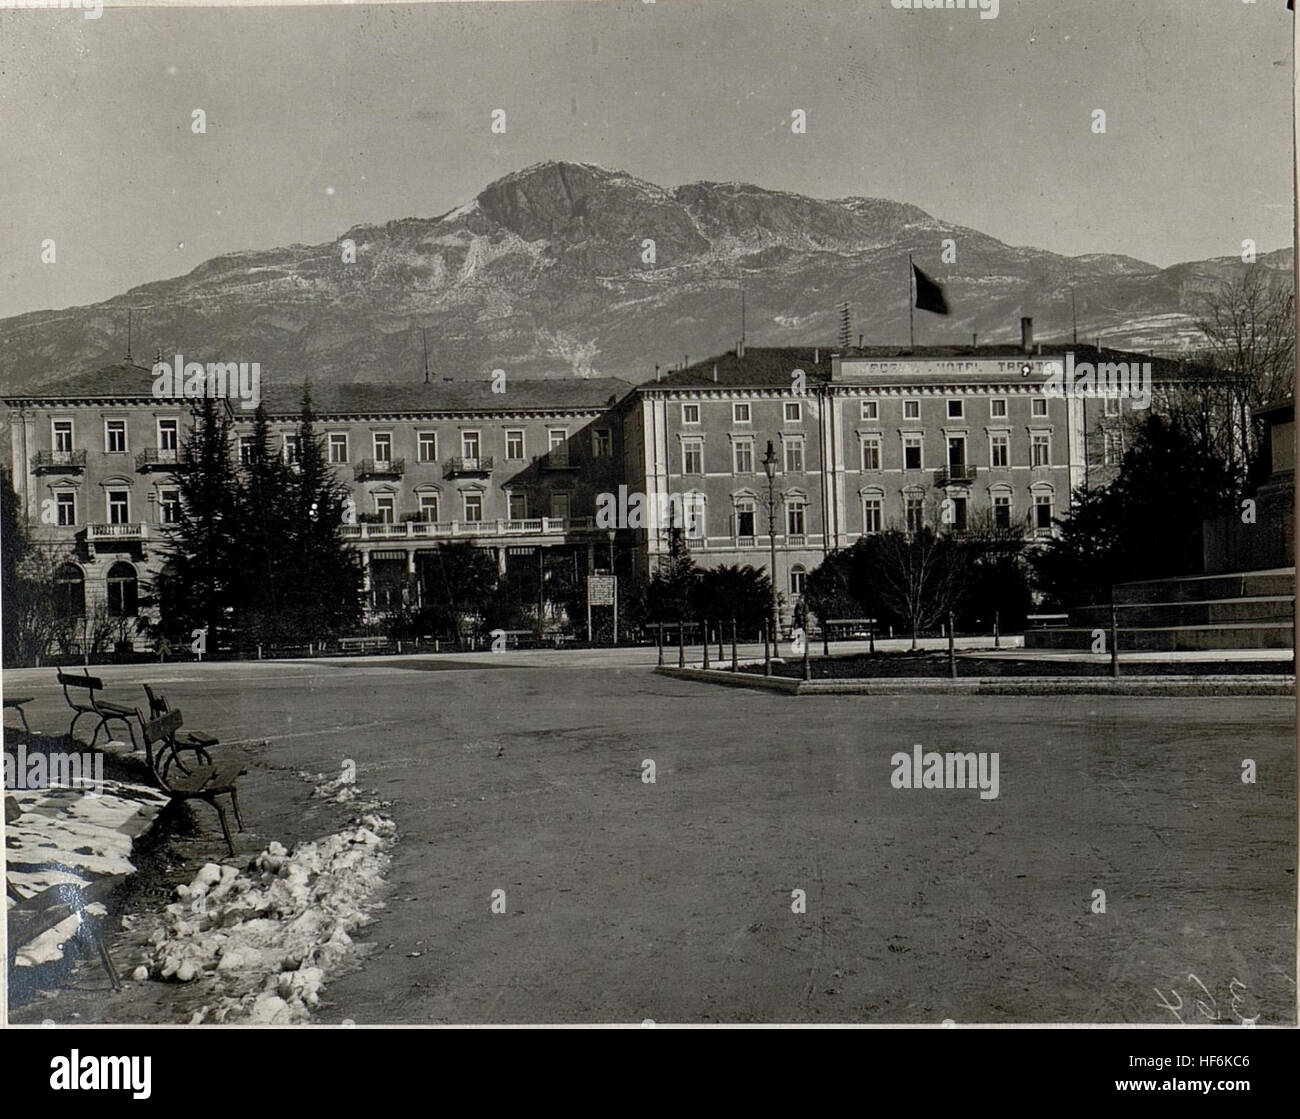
769 468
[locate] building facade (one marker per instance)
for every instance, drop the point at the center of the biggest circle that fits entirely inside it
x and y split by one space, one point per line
806 448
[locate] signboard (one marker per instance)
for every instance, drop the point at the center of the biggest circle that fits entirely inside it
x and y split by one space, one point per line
600 590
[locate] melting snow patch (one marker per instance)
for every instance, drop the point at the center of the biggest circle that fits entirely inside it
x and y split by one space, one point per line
267 938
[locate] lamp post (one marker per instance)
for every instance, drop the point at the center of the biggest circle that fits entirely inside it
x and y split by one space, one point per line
769 468
613 577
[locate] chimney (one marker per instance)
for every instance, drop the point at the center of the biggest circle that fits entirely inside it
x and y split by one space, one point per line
859 341
715 372
656 372
1027 334
740 348
817 356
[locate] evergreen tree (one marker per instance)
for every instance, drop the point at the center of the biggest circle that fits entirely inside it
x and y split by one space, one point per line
265 520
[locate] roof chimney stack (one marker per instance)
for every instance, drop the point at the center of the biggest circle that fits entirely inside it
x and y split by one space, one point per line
817 356
656 372
715 372
1027 334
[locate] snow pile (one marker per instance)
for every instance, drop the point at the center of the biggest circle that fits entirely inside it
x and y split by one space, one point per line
66 835
341 790
266 938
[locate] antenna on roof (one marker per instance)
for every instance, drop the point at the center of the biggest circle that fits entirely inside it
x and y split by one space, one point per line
424 339
1074 315
742 319
128 334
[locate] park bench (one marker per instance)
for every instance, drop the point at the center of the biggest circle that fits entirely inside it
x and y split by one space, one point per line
31 916
363 644
205 783
17 705
87 702
196 741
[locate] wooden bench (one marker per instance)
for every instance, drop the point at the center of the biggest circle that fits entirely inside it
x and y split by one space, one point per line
92 705
205 783
17 705
196 741
31 916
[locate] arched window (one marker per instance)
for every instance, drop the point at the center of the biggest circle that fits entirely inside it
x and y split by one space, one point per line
69 591
121 591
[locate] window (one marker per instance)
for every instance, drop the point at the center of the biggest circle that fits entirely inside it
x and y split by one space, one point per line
383 443
999 450
559 447
115 436
912 452
429 507
1113 448
1001 510
743 452
384 508
121 591
794 518
61 433
955 409
957 453
1043 511
168 435
998 408
1111 406
915 514
514 445
740 413
169 506
245 449
871 452
873 515
602 444
292 449
1040 449
517 505
69 591
338 447
560 506
426 447
911 409
65 505
744 518
119 507
473 507
798 580
693 515
957 514
469 445
690 413
793 412
693 457
871 409
1038 406
793 455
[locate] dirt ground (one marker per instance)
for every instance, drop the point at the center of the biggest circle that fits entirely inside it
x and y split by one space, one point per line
626 900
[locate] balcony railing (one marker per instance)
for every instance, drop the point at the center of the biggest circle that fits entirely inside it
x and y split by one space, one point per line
380 468
156 458
557 460
460 530
58 460
955 475
461 467
115 535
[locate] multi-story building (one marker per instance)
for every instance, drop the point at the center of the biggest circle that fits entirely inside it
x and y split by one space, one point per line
857 441
515 472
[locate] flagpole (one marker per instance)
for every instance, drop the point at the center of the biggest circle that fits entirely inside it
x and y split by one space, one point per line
911 305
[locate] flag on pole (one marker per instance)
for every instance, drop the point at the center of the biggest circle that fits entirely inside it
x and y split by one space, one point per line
929 294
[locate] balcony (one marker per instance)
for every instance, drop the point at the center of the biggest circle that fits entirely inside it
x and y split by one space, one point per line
959 475
61 461
155 458
466 467
116 537
557 460
467 530
380 468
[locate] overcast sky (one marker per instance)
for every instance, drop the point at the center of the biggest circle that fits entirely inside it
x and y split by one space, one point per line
322 118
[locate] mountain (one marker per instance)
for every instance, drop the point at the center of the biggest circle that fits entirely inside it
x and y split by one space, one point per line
543 275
